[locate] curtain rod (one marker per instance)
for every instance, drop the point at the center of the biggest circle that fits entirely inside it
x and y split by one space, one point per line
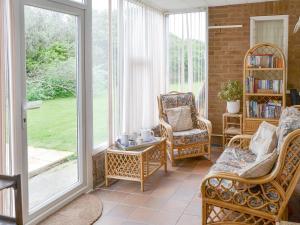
225 27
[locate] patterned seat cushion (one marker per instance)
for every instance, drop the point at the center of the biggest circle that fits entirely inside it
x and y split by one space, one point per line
233 160
190 137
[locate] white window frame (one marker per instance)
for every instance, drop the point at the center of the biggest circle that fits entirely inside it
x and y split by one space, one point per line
101 147
284 18
85 133
166 15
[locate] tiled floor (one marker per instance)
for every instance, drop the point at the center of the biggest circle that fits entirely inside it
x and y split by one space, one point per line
169 199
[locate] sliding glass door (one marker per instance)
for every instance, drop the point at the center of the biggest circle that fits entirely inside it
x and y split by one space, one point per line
53 106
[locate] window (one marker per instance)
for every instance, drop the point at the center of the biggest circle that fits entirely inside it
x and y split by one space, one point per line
100 71
139 77
270 29
187 55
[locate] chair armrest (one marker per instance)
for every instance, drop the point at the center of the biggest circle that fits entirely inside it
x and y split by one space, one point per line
166 130
204 124
240 141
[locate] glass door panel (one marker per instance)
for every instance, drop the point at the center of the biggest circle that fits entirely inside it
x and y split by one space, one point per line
51 42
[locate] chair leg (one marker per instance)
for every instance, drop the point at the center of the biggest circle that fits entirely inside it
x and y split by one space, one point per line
285 215
209 151
172 156
204 213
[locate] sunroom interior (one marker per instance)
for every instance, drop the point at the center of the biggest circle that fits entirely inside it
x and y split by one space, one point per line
149 112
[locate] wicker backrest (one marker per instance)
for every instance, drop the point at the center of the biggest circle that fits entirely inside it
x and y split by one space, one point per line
177 99
289 161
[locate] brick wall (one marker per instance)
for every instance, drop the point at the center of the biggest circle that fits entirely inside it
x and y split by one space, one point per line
227 48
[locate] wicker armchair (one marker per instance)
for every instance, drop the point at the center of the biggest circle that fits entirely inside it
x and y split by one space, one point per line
185 144
230 199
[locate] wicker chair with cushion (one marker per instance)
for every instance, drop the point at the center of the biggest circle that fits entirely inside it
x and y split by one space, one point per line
187 143
228 198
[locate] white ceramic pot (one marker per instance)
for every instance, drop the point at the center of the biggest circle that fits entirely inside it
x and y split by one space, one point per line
233 106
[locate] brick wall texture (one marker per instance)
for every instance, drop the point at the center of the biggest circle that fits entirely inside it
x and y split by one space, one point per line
227 48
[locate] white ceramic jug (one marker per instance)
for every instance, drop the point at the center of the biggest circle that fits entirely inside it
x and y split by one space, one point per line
147 135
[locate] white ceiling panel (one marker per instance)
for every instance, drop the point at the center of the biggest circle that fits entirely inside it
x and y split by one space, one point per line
169 5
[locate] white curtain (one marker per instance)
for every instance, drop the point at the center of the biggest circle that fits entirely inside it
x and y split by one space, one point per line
269 31
187 55
140 78
6 53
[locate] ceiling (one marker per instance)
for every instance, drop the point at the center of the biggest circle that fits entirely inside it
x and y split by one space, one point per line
170 5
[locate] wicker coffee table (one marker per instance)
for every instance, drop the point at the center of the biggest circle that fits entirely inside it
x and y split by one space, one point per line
136 165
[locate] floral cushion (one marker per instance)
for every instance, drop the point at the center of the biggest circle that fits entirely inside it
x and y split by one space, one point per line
190 137
178 100
289 121
233 160
180 118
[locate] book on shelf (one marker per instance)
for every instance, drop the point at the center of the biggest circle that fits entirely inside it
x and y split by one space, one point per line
264 61
254 85
268 110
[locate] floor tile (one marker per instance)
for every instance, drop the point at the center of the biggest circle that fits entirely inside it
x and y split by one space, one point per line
143 214
107 206
135 199
112 196
176 206
194 208
189 220
121 211
154 203
108 220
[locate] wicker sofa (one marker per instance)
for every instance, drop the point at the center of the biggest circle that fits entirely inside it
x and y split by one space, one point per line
230 199
189 143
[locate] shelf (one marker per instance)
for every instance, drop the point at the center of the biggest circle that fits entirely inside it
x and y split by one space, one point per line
262 119
231 123
265 69
232 131
263 94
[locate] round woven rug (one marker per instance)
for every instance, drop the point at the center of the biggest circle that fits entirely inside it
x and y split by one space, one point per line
84 210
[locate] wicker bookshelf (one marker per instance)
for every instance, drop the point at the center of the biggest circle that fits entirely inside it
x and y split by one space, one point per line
264 65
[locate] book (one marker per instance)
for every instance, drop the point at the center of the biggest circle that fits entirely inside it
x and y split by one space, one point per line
254 85
264 61
269 110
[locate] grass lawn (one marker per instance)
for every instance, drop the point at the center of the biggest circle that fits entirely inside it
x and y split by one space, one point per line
54 124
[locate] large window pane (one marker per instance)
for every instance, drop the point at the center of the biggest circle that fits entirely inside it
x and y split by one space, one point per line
187 39
100 71
52 118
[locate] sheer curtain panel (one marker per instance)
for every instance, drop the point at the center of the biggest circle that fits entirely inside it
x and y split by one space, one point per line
140 78
5 71
270 31
187 55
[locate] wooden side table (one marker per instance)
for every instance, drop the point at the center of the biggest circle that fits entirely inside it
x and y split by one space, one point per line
232 125
136 165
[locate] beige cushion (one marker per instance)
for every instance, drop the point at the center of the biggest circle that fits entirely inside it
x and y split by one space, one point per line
264 141
180 118
260 167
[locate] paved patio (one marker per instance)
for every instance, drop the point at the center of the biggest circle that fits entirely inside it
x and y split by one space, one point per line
41 160
50 172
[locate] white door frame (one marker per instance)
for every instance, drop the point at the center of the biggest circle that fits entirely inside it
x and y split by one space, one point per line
84 107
